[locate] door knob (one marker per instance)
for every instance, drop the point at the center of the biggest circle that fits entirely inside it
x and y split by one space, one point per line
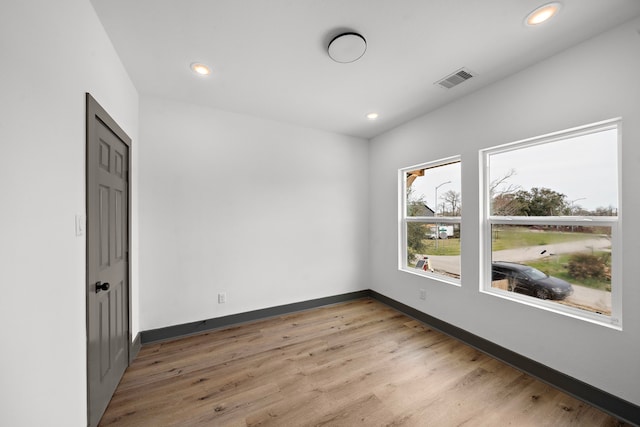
102 287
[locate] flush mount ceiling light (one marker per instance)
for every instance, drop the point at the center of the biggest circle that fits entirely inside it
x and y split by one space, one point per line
200 69
372 116
542 14
347 47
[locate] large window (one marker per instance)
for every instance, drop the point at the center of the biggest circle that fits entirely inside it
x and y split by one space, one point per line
430 206
551 233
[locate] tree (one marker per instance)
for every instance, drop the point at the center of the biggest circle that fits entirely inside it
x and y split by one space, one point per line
506 204
501 184
415 231
451 203
541 202
415 240
502 195
416 204
605 211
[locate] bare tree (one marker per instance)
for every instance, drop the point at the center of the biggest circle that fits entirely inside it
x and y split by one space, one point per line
502 194
501 185
507 204
451 203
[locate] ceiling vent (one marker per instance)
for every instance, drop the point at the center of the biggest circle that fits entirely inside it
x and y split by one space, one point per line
455 79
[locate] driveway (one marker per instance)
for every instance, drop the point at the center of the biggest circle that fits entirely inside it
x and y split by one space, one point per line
590 299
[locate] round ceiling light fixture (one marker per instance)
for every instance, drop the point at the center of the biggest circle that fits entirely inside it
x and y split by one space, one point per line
542 14
200 69
347 47
373 116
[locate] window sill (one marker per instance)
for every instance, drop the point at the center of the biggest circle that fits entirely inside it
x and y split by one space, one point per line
438 277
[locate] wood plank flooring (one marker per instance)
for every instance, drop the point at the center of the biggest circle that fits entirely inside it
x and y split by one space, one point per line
355 363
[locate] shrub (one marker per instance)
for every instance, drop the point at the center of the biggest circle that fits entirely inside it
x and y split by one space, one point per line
587 266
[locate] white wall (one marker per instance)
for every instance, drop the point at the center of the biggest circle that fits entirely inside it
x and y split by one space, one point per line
591 82
269 213
51 54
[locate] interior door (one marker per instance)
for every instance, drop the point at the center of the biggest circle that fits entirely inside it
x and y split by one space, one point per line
107 258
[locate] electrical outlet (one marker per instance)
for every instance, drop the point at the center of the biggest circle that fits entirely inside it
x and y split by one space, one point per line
222 297
423 294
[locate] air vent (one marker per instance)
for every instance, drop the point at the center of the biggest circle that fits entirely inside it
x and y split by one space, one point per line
455 79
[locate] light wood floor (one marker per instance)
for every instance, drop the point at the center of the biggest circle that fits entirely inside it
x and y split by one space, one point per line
356 363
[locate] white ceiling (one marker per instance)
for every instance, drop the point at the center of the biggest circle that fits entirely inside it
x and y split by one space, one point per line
269 57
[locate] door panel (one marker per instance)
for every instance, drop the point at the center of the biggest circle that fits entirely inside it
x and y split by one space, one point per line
118 224
104 226
107 258
105 357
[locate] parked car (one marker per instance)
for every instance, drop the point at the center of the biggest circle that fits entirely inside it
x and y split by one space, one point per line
531 281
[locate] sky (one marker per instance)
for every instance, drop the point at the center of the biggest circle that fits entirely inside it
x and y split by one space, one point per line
425 185
583 168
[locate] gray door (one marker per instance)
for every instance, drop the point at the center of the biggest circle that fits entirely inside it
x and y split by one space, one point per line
107 258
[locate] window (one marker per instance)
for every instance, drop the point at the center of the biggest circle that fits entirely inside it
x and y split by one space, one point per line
430 206
552 222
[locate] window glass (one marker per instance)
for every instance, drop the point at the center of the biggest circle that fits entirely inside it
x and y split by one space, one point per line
432 204
569 265
574 176
434 191
552 221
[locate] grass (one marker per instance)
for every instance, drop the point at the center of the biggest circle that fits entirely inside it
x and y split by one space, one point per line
508 238
518 237
557 266
449 246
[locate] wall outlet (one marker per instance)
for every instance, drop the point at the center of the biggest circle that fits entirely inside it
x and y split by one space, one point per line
222 297
423 294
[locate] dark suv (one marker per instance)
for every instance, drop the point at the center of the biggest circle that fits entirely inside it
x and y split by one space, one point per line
528 280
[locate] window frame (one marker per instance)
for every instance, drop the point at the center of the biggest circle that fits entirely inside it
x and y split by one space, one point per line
404 219
614 222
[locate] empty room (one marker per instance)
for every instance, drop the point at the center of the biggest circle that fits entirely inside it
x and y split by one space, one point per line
320 213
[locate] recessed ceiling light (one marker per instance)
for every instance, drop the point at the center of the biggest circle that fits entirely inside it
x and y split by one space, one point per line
372 116
542 14
347 47
200 69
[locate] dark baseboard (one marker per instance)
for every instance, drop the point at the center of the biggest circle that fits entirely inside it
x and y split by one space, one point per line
136 345
607 402
602 400
172 332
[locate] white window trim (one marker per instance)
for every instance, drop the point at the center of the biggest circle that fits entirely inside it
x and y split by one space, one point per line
615 320
403 219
